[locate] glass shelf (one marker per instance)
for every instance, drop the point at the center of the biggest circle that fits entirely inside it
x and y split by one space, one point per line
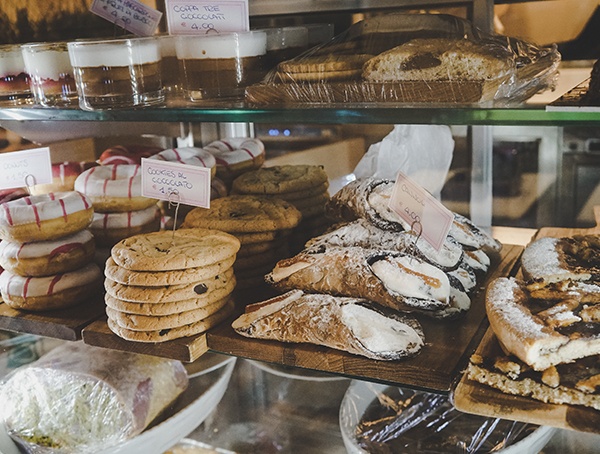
346 114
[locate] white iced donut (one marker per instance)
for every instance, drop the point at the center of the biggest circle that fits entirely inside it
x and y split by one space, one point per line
45 216
188 155
110 228
236 155
44 258
114 188
50 292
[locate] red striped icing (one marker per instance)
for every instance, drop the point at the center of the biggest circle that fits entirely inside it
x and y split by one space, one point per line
54 281
25 285
247 151
105 221
228 145
8 215
84 200
64 210
64 249
87 178
129 214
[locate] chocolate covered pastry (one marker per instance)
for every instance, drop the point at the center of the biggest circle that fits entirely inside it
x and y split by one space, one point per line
349 324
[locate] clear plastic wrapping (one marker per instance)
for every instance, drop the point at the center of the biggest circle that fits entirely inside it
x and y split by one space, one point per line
80 398
382 419
411 58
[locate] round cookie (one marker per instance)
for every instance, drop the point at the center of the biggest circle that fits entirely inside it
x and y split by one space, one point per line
155 336
279 179
261 237
50 292
158 278
159 309
45 258
114 188
138 322
258 248
167 250
224 282
245 213
320 189
45 217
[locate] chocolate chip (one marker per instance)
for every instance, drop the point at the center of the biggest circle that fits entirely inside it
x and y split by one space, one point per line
200 289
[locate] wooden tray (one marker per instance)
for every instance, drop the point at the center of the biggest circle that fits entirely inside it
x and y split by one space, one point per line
66 324
185 349
473 397
449 345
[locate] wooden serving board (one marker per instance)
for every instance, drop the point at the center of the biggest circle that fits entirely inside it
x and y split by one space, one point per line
475 398
448 346
66 324
185 349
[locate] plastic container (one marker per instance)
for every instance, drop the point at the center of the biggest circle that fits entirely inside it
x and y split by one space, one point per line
390 419
14 80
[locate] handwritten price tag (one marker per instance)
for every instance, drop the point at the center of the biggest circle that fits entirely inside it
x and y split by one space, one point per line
132 15
25 168
175 182
418 207
194 17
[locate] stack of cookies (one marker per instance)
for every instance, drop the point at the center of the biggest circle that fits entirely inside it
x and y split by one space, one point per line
168 285
304 186
262 225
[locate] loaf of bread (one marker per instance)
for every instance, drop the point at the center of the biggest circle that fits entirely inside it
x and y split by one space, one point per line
434 59
80 398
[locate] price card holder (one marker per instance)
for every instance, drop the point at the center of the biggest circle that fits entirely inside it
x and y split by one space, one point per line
132 15
196 17
419 208
176 183
25 168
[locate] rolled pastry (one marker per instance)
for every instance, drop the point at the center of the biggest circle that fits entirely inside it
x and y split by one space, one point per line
366 235
369 198
392 279
348 324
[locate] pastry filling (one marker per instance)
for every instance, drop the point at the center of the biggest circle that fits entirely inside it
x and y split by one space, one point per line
411 277
379 333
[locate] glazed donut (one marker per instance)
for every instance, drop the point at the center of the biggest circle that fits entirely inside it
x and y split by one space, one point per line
236 155
127 154
50 292
114 188
45 216
63 177
188 155
44 258
6 195
110 228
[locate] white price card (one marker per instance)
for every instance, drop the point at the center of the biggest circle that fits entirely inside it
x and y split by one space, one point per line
197 17
25 168
176 183
429 218
132 15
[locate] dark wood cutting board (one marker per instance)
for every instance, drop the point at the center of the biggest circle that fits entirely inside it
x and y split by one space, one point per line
448 346
65 324
472 397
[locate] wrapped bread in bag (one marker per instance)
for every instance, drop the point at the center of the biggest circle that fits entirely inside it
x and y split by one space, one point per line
80 398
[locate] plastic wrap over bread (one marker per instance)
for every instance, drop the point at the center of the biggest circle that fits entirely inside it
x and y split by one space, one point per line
80 398
411 58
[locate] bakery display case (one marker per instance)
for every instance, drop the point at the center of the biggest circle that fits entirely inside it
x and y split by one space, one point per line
519 166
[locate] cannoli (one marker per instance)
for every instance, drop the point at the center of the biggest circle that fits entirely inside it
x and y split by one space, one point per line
363 234
353 325
392 279
369 199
